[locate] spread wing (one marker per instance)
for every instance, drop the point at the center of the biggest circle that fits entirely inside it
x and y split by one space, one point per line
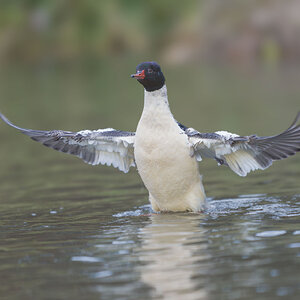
103 146
245 153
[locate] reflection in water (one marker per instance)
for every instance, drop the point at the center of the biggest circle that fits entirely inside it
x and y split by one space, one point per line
168 255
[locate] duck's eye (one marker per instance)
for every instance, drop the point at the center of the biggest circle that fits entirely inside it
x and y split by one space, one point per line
150 71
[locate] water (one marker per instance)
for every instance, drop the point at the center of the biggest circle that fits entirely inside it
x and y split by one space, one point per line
72 231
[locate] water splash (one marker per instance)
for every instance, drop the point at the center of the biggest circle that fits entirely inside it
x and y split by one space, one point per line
138 212
256 204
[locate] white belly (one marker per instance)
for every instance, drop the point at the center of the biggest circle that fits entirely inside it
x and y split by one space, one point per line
162 156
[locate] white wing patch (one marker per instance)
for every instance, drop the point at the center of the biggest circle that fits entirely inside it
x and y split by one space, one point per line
226 135
242 162
239 159
116 151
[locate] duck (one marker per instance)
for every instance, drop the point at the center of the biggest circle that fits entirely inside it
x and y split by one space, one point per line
165 152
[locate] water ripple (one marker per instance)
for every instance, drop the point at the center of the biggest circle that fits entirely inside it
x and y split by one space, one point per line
271 233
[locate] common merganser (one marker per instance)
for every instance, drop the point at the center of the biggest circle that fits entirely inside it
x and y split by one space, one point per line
166 152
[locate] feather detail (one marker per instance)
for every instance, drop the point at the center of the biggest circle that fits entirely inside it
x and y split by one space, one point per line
244 154
103 146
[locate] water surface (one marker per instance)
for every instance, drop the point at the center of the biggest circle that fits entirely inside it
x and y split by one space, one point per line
73 231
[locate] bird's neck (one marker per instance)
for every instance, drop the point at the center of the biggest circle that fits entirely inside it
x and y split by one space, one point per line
156 113
156 101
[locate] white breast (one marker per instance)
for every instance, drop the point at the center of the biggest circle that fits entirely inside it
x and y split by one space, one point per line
162 155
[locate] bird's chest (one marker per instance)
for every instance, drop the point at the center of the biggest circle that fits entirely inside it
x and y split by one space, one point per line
160 146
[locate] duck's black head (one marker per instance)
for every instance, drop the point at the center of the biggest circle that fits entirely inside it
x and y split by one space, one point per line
149 75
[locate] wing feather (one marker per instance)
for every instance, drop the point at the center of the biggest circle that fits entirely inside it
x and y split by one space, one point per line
246 153
102 146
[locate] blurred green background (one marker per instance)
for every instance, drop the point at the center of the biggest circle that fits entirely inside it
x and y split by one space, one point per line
248 32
